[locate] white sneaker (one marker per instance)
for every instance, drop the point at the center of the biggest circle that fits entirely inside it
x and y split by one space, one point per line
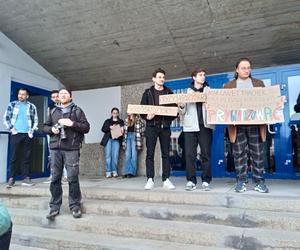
108 175
190 186
167 184
114 174
206 186
65 179
149 185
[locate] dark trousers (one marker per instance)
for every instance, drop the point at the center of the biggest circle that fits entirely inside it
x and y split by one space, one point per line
5 239
248 143
191 142
69 159
152 133
20 141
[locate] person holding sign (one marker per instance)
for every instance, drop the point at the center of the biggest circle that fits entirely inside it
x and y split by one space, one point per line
197 132
247 138
113 131
157 127
134 128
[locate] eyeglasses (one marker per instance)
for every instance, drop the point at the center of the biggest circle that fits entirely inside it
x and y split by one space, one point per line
244 68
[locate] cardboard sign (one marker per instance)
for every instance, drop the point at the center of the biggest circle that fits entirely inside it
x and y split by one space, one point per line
182 98
151 109
245 106
116 131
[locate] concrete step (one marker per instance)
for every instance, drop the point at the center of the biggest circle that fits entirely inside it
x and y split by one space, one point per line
213 215
249 201
170 231
58 239
22 247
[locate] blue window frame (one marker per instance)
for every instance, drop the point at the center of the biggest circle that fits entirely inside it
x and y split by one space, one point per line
282 139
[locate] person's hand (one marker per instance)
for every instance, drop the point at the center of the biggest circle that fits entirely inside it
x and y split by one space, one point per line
112 126
66 122
181 105
150 116
281 101
13 131
55 130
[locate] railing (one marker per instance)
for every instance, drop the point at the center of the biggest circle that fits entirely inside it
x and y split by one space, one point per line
4 132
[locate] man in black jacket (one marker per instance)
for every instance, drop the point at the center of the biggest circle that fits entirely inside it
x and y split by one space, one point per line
157 127
66 126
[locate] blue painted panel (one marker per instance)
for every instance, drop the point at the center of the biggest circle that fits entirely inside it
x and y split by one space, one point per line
282 138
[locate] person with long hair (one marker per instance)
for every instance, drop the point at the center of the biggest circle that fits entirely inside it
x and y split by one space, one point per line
247 138
134 128
111 143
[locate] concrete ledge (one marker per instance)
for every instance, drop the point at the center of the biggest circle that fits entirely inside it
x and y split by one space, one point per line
58 239
173 231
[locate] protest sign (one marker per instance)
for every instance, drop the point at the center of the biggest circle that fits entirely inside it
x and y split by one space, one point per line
151 109
182 98
245 106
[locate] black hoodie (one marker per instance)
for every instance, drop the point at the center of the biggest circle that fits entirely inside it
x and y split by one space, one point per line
149 99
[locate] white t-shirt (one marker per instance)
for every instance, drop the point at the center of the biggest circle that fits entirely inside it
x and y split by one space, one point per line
244 84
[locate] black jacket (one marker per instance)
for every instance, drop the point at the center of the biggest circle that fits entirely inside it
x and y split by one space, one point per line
106 130
297 106
148 99
74 134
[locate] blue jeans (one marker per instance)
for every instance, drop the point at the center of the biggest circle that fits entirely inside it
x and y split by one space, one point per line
130 155
111 156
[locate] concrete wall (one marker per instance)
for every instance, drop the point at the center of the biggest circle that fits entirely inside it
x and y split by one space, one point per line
16 65
96 104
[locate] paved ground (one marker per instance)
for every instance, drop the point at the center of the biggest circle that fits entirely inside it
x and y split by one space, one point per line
288 188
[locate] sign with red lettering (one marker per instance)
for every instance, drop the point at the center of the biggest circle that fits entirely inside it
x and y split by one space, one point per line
245 106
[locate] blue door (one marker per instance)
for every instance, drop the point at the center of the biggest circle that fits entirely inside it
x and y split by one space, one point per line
281 150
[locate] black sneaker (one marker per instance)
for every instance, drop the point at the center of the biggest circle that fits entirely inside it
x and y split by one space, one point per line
240 187
10 183
27 182
76 213
261 187
52 214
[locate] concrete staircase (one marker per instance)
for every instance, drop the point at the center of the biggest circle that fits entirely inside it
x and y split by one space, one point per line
131 218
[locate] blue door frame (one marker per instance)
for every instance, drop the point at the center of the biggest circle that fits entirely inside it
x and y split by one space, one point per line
15 86
282 137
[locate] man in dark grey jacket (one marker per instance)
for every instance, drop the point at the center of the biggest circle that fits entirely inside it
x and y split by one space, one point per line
66 126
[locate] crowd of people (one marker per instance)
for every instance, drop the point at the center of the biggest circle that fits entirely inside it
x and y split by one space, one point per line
67 124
